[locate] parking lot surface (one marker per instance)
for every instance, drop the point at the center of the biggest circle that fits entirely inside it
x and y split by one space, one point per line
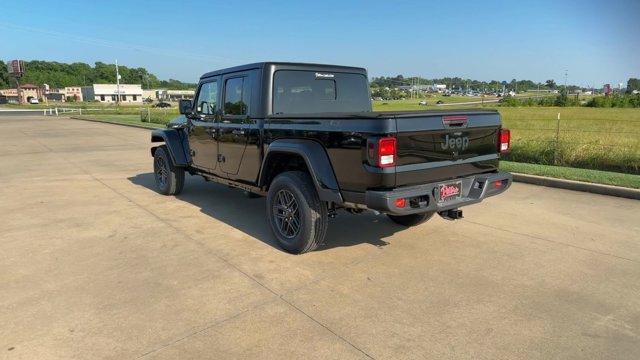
95 264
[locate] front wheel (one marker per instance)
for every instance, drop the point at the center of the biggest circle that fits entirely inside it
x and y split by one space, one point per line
169 178
411 219
297 217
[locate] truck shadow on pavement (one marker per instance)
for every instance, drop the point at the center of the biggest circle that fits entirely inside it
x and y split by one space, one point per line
234 208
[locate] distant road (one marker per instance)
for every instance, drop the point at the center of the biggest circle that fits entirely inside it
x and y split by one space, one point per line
470 102
14 112
491 100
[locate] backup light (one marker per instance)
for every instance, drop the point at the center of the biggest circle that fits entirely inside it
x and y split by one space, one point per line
387 152
504 141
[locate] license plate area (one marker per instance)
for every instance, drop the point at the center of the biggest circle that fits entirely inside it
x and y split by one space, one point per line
448 191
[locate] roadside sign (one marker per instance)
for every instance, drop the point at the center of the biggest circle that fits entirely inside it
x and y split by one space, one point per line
16 67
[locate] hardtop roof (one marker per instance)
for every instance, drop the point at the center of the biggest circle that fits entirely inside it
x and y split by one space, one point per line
262 65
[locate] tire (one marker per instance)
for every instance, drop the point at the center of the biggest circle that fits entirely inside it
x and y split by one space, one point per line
169 178
292 197
412 219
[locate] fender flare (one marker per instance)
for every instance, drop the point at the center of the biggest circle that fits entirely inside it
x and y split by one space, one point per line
317 162
176 142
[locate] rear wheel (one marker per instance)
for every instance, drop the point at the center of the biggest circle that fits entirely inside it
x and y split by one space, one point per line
412 219
169 178
297 217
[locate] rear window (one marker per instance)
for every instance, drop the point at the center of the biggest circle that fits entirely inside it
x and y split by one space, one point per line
307 92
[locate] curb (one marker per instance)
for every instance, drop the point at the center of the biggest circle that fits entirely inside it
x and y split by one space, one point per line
115 123
578 186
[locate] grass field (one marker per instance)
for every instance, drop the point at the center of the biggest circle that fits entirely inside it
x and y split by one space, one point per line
592 138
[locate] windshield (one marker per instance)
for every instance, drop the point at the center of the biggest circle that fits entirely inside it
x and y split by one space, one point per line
307 92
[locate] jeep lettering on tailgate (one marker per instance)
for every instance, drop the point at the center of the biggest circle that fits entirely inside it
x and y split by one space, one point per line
455 143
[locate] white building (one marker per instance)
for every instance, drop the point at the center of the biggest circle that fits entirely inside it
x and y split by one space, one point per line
129 93
73 92
175 95
429 88
150 94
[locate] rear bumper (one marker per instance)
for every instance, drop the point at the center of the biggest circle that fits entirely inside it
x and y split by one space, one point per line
474 189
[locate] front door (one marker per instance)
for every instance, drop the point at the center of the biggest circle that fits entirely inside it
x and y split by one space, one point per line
235 123
203 127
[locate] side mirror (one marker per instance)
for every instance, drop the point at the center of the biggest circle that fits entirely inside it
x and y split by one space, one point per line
185 106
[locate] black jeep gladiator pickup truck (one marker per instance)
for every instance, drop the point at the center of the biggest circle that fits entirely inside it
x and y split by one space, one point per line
305 136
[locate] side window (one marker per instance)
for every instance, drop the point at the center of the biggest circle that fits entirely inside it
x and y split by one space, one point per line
237 94
207 103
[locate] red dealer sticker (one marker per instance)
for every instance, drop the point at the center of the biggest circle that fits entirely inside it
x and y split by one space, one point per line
449 191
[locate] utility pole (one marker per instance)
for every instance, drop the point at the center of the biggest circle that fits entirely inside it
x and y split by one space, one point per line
538 90
565 80
117 84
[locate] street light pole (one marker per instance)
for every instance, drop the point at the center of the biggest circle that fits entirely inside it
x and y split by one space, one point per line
117 84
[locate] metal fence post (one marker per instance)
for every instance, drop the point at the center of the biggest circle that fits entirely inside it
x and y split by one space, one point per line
148 114
555 150
56 111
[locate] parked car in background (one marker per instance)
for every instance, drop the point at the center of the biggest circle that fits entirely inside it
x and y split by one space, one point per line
162 105
33 101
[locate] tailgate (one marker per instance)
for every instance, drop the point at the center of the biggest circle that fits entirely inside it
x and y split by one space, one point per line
434 147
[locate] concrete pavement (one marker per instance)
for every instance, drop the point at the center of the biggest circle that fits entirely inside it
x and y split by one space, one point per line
95 264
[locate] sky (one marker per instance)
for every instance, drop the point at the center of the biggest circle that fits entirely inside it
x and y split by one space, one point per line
596 42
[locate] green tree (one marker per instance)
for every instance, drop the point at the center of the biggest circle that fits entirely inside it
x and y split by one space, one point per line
550 84
5 82
57 75
633 84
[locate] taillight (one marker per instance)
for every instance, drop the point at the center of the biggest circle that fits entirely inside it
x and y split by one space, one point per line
504 140
387 152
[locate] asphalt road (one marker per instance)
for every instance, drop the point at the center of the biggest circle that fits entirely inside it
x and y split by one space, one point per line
95 264
20 112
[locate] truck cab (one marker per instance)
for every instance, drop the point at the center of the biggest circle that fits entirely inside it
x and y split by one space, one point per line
305 136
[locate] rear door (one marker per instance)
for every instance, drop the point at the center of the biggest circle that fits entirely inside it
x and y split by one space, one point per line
445 145
235 124
202 126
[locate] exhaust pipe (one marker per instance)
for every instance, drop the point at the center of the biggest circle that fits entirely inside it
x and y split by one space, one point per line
453 214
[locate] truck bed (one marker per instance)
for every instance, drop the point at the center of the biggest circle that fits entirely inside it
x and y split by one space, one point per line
421 137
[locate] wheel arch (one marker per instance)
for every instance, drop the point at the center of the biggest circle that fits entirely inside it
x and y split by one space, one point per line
176 144
298 152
